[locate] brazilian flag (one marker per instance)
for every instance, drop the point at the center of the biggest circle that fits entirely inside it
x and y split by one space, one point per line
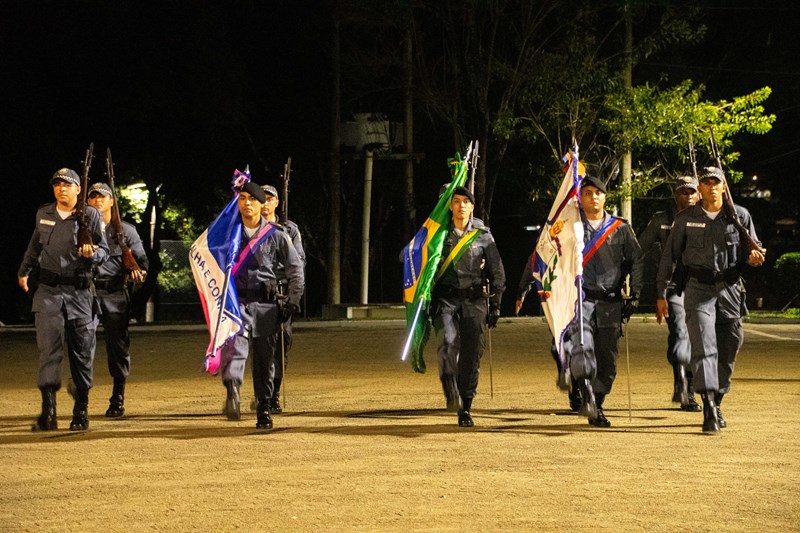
421 259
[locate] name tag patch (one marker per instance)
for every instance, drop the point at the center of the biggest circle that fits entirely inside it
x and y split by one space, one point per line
47 222
695 224
666 226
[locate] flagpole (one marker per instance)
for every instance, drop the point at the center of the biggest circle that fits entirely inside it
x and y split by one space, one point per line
579 281
411 330
221 310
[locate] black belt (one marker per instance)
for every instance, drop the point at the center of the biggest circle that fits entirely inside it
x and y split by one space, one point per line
448 291
52 279
605 296
255 295
709 277
110 284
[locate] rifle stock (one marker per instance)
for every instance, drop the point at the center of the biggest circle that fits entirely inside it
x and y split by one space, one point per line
128 261
84 235
729 207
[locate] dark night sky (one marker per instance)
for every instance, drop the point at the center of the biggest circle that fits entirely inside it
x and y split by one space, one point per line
173 87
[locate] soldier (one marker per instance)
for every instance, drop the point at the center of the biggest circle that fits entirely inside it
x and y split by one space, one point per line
459 306
257 288
281 358
63 304
611 252
111 290
705 241
652 241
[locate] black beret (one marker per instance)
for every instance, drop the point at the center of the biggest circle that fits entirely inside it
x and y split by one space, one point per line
597 183
255 191
463 191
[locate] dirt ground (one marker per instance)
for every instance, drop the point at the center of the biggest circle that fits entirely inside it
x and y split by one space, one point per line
365 444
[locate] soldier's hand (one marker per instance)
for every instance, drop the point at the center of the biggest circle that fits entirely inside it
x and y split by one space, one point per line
87 250
287 310
628 308
23 282
138 276
662 310
493 316
756 258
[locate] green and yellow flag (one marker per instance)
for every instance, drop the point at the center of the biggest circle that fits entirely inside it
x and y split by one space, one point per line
421 260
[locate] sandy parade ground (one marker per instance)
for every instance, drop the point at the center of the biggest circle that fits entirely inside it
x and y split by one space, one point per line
366 445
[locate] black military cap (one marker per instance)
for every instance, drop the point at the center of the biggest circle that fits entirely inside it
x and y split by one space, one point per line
597 183
255 191
102 188
269 189
685 182
714 173
66 174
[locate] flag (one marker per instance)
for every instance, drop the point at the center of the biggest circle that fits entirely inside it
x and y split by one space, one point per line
421 259
212 258
557 263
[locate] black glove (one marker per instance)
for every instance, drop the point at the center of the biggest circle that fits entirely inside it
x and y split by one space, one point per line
493 316
628 308
287 310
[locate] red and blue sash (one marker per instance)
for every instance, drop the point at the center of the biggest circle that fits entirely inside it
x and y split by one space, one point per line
599 237
247 252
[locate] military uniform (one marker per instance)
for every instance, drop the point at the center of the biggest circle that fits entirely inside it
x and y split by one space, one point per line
594 364
111 290
64 306
653 239
282 359
257 288
713 257
460 314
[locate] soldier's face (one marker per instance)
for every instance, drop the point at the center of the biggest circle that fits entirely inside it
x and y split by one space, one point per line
711 190
593 200
100 202
249 206
686 197
461 207
66 193
268 207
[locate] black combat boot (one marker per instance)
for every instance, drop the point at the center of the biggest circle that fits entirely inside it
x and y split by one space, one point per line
451 393
574 397
80 412
47 421
233 400
275 402
464 418
263 419
691 404
680 392
718 399
116 404
589 406
710 420
600 420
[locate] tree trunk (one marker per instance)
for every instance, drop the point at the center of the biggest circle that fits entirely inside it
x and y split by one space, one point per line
334 234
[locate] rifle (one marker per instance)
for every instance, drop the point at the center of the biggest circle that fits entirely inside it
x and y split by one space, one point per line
84 235
730 209
473 163
287 170
128 261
